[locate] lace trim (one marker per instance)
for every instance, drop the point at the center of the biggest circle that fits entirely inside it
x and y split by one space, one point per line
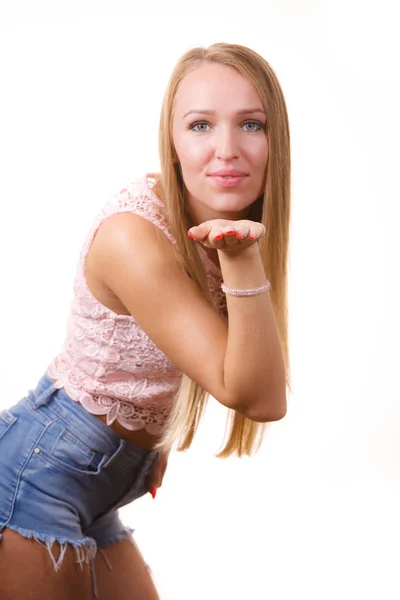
132 417
152 416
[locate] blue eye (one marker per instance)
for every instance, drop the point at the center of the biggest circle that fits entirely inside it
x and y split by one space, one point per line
256 126
199 124
204 126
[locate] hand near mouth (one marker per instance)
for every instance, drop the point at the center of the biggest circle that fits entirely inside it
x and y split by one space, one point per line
221 234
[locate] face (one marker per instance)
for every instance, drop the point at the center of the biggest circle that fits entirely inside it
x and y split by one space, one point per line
221 142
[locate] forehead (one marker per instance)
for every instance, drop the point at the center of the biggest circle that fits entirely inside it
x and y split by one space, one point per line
212 86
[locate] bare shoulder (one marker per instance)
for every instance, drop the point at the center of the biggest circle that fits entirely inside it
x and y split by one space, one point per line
115 236
130 236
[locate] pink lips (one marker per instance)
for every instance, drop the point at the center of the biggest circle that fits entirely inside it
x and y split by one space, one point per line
228 177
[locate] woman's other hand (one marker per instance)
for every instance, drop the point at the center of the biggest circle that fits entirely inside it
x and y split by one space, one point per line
156 475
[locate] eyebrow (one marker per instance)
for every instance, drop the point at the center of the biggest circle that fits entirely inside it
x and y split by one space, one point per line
243 111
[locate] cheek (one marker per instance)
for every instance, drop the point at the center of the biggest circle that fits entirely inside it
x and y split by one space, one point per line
193 155
260 153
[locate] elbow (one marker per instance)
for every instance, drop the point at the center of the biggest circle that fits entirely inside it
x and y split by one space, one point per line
266 411
268 417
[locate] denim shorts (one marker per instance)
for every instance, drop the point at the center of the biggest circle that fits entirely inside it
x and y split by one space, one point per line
64 474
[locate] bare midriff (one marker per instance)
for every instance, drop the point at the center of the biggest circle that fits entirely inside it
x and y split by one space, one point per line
140 438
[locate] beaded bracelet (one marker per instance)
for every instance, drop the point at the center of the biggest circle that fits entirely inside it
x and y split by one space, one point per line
253 292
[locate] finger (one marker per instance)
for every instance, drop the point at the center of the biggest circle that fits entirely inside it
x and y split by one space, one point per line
155 476
214 240
199 232
218 239
242 233
255 233
154 482
230 236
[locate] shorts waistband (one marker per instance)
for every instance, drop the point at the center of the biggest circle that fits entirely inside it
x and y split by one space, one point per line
55 402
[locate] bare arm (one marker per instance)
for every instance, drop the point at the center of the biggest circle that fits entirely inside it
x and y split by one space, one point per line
253 366
241 366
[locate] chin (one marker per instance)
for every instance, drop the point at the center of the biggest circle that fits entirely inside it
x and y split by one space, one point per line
232 203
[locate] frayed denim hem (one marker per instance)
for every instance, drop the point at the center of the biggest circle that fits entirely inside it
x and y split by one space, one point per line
85 549
126 534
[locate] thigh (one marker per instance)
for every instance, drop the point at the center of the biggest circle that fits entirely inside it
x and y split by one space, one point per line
121 573
27 572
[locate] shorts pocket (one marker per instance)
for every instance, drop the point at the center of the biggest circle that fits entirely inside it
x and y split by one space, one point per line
7 419
69 452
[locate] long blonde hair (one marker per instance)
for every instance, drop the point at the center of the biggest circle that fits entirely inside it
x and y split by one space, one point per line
243 436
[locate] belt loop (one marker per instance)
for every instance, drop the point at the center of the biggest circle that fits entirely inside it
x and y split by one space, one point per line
109 459
43 397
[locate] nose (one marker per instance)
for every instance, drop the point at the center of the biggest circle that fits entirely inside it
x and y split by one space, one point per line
226 147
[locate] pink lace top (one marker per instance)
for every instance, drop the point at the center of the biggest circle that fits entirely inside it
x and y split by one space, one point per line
107 362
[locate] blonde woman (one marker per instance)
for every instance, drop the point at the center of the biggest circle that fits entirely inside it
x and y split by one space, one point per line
180 292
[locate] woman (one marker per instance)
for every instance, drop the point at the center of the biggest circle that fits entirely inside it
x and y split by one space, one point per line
171 301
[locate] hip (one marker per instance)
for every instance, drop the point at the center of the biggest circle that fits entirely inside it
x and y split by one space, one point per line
50 446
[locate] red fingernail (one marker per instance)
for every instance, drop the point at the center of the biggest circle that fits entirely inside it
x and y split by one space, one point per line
251 237
240 237
153 491
230 233
190 234
219 237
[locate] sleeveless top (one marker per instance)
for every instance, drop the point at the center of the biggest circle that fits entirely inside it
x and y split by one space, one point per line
107 362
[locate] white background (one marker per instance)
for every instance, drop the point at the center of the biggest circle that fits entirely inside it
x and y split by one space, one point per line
316 513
